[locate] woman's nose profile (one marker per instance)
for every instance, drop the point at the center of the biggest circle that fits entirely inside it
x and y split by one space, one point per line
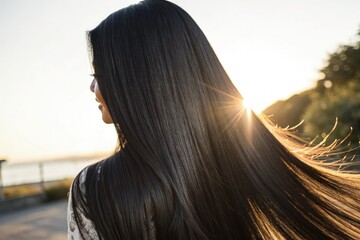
92 85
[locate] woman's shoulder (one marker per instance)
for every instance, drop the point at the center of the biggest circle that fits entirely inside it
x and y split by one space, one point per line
91 175
87 173
81 180
80 225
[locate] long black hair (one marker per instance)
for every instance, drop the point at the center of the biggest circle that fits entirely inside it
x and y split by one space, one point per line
192 163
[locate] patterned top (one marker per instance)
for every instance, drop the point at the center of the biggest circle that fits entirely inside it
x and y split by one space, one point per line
89 232
80 227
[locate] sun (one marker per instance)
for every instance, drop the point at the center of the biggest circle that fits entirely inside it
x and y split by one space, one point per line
248 107
254 99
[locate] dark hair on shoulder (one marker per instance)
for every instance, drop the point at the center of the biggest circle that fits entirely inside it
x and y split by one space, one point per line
193 164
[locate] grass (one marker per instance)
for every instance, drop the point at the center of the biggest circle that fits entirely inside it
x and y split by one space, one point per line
59 190
21 191
52 190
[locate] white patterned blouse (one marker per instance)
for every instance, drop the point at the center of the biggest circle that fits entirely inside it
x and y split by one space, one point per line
89 232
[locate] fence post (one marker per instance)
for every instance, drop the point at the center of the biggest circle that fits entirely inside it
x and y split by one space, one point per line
2 197
41 174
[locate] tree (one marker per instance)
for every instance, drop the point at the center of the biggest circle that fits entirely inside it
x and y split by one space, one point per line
289 112
341 103
337 96
342 66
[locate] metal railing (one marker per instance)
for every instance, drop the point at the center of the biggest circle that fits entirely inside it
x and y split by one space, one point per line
30 173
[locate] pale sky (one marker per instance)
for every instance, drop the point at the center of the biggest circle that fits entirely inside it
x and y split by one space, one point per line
271 50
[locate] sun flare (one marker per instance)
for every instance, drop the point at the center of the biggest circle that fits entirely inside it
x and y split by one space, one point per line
248 107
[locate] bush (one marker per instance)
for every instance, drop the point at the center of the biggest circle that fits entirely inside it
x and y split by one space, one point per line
57 191
21 191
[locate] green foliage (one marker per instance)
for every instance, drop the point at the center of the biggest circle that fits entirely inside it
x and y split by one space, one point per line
341 102
289 112
21 191
58 191
336 96
53 190
343 65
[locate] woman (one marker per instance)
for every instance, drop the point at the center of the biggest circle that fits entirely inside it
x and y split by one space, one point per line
191 164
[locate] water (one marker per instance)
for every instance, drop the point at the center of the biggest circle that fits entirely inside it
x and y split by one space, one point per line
20 173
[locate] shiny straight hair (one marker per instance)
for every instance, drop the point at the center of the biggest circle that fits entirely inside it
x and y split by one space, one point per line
192 163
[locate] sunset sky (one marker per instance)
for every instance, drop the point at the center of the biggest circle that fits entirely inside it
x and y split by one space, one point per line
271 50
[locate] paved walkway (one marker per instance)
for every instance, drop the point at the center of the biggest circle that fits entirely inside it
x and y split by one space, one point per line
46 221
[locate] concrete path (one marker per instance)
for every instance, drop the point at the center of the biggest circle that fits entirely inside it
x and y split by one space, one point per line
46 221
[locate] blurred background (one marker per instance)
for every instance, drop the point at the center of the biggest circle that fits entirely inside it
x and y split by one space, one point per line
292 60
